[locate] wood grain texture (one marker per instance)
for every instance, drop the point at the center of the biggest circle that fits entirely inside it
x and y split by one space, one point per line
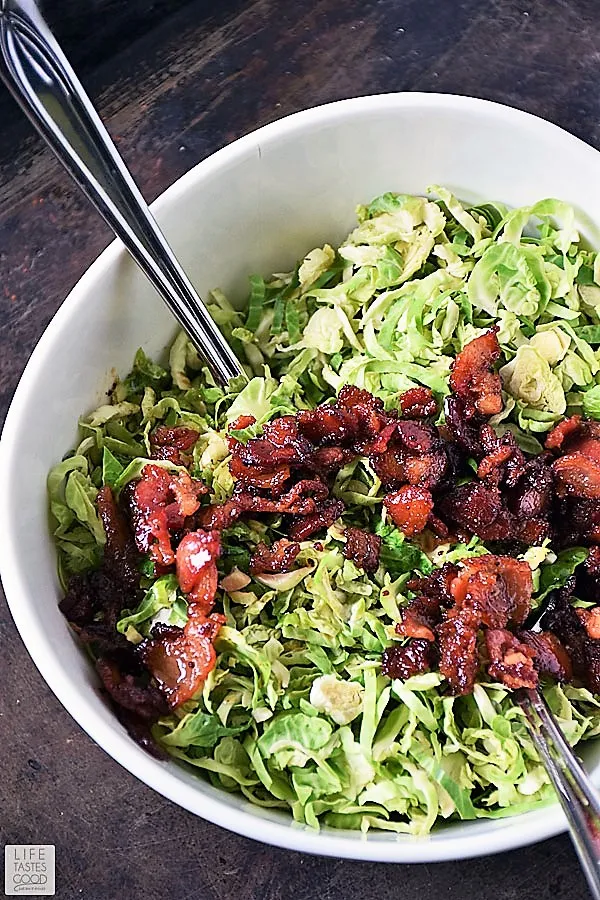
184 86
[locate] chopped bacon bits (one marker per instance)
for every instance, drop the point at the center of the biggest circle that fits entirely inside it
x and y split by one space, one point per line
409 508
196 567
462 427
437 585
478 509
181 658
495 588
551 658
414 455
403 662
362 548
576 475
511 660
120 557
454 602
127 691
420 618
457 644
418 403
328 424
172 443
591 621
444 482
160 503
472 378
327 513
486 598
274 480
280 557
242 422
562 432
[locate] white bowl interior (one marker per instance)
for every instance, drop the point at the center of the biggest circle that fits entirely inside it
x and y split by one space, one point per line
258 205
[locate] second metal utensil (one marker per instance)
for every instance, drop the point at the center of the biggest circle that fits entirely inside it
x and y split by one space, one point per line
42 81
576 793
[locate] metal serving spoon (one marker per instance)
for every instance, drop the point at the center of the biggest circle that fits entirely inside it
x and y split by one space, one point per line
576 793
43 83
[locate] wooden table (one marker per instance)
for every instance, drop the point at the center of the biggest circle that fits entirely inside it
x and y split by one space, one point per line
176 81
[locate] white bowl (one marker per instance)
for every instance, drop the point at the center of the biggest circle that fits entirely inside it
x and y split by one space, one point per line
258 205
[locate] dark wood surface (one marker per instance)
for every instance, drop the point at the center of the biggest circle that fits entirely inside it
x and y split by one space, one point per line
175 81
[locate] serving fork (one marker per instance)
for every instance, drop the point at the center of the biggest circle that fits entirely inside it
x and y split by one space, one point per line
40 78
576 793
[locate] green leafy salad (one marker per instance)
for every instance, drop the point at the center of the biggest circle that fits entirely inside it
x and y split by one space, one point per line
296 713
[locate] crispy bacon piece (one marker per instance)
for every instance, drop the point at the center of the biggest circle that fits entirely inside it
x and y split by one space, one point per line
367 409
281 443
491 465
325 515
457 642
379 444
504 461
418 403
92 604
414 455
329 459
532 531
485 596
409 508
562 620
495 589
551 658
362 548
563 432
181 658
120 555
511 661
587 446
478 509
592 563
170 443
280 557
420 618
94 600
412 659
220 516
590 618
160 502
438 585
242 422
197 569
295 501
328 424
462 427
472 378
354 398
576 475
577 521
130 692
273 480
530 497
576 435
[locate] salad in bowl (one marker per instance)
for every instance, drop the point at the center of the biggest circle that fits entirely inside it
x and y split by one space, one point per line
316 587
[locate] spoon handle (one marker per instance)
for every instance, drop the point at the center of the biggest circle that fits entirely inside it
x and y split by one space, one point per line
43 83
576 793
